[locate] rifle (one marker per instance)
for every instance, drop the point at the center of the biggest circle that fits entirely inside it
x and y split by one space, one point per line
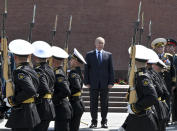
149 35
68 32
132 93
53 36
30 31
6 69
32 24
141 29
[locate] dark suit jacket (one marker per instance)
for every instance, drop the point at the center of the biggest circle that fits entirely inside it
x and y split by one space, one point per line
96 73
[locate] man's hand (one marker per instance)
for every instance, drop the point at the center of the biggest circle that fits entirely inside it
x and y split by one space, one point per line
7 102
129 110
88 86
110 86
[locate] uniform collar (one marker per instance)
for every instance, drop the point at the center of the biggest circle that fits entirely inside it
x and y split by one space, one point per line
43 63
24 64
141 69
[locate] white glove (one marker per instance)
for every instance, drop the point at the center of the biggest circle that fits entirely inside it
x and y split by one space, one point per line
129 110
7 102
121 129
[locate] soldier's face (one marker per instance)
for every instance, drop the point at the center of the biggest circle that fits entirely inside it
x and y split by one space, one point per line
57 62
99 45
156 68
159 49
170 49
74 63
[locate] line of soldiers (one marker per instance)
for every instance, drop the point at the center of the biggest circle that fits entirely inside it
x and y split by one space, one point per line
43 93
155 84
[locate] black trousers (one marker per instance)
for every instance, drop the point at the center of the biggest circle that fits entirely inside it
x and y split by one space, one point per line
142 122
174 108
43 126
78 109
62 125
21 129
95 94
169 103
75 123
162 125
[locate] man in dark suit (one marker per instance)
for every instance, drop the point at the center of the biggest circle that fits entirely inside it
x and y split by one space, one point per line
99 77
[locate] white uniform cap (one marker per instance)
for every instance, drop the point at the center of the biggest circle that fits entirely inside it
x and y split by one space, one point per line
59 52
141 52
158 42
42 49
154 58
161 63
77 55
21 47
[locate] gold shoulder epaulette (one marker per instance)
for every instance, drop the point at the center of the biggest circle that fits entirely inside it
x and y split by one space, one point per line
58 71
19 67
140 73
38 66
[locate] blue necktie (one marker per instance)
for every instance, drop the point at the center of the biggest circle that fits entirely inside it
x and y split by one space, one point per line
99 57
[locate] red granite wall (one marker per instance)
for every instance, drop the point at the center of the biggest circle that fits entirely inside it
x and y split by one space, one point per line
111 19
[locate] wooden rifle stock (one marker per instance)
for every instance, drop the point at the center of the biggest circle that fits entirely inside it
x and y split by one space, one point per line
6 69
132 93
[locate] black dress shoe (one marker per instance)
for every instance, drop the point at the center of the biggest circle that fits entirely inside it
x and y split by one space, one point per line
104 125
93 125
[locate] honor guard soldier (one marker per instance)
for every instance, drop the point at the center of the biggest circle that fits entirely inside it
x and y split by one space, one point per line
169 74
76 83
11 64
171 50
159 67
46 77
140 116
162 92
24 115
63 108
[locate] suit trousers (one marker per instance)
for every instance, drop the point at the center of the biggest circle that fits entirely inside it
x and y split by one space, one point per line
95 94
43 126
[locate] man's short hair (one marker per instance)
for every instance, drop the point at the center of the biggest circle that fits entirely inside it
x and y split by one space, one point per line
100 40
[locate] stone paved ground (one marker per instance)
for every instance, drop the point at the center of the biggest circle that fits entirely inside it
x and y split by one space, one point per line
115 120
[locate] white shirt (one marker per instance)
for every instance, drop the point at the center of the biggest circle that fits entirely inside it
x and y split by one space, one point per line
101 53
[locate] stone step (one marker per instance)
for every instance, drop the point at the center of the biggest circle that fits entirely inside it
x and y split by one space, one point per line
118 94
114 89
111 104
110 109
111 98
